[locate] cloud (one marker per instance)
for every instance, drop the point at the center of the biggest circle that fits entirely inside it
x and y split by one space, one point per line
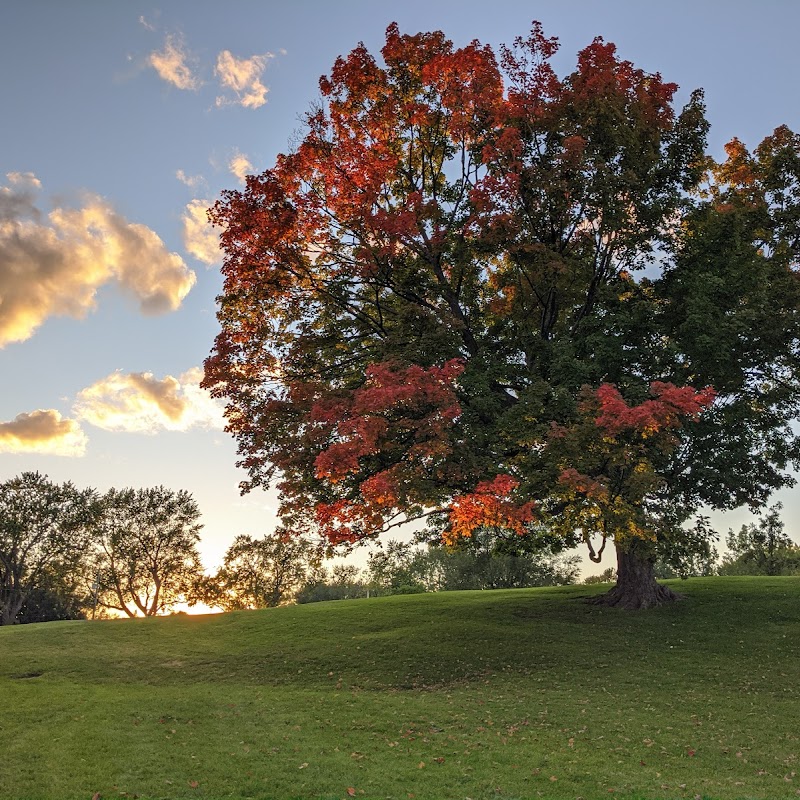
243 77
171 66
44 431
200 237
17 200
54 264
24 179
240 166
137 402
145 24
192 181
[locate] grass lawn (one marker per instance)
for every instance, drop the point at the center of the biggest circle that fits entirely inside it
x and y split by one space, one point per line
504 694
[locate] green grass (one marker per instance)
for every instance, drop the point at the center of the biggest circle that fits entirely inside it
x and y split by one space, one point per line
506 694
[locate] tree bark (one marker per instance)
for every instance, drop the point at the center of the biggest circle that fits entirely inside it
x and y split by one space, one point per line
11 609
636 587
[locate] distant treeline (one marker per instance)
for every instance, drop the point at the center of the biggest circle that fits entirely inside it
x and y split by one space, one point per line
74 554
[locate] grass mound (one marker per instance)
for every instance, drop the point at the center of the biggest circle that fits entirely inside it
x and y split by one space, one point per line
504 694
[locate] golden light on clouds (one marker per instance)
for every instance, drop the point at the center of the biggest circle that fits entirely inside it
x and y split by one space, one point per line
240 166
44 431
192 181
54 264
138 402
171 64
243 77
200 237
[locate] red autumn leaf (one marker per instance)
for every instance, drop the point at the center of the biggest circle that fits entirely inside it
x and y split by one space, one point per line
194 784
351 791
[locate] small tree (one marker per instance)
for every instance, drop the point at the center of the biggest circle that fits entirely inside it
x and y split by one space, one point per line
343 582
395 569
146 550
44 537
263 573
761 548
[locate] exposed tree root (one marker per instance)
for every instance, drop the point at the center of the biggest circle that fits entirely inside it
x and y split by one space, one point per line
635 598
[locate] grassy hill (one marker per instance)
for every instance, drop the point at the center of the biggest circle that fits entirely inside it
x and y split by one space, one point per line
505 694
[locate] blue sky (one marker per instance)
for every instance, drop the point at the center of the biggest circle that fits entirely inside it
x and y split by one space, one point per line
122 121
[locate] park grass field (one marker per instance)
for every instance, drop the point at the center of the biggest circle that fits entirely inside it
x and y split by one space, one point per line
503 694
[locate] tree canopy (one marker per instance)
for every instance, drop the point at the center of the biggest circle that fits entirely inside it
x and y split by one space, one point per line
146 556
761 548
44 536
480 292
262 573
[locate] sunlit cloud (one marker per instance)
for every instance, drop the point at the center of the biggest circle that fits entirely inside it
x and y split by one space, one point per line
44 431
240 166
24 179
171 64
138 402
145 24
54 264
192 181
200 237
242 76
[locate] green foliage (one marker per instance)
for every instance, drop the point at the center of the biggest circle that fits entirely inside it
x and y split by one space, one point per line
761 548
145 550
426 300
496 559
341 583
396 568
262 573
48 605
608 575
687 552
44 544
495 693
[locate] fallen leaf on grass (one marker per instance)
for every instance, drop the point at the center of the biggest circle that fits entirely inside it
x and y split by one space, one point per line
351 791
194 784
96 796
421 765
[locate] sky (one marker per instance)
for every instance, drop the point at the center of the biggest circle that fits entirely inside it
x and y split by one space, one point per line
123 121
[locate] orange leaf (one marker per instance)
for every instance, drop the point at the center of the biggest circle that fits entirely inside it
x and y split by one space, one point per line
194 784
351 791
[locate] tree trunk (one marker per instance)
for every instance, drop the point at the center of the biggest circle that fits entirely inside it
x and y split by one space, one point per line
11 609
636 587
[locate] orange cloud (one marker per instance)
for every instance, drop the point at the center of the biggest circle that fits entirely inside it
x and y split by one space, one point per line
171 64
43 431
138 402
243 77
240 166
200 237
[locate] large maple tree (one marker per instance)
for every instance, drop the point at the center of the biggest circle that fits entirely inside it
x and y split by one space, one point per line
488 295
